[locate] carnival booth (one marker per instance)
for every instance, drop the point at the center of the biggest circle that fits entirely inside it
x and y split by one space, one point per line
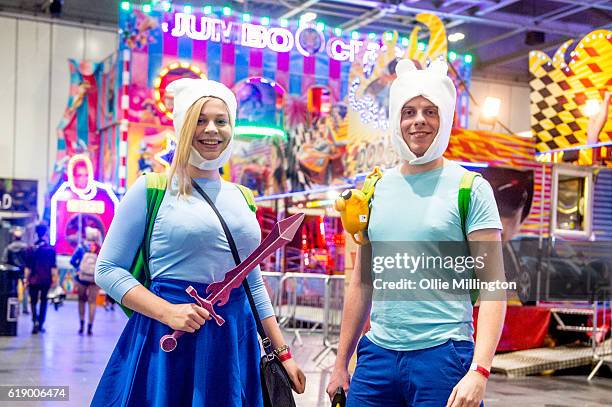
298 87
565 267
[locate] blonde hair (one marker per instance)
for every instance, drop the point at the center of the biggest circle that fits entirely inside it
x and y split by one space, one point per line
180 162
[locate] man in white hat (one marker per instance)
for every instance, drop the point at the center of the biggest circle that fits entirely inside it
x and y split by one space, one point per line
420 352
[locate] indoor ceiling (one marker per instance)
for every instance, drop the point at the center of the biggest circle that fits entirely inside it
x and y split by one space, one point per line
495 30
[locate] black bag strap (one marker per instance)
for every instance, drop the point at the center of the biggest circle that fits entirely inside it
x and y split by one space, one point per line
232 244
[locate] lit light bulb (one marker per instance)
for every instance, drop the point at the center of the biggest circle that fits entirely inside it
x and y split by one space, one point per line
491 106
592 108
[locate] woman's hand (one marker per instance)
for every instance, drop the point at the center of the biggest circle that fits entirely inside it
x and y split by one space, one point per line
297 377
185 317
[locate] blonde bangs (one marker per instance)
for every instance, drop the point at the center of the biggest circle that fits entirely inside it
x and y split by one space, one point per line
180 162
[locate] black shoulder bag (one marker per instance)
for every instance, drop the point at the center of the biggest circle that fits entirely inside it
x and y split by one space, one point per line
275 383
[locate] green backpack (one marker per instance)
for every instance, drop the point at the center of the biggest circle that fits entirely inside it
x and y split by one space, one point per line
156 190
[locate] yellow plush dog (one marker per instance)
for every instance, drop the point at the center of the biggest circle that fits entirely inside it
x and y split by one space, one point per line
354 207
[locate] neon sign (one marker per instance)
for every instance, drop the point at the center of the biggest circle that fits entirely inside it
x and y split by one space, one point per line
78 206
81 194
308 39
180 69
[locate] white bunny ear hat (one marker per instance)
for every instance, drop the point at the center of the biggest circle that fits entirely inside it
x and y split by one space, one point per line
433 84
186 92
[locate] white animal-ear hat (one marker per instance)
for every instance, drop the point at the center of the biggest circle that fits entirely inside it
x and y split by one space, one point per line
433 84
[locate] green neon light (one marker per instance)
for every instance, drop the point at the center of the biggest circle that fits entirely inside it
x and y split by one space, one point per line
388 36
355 35
421 46
259 132
126 6
320 26
246 17
166 6
405 41
207 10
187 9
468 58
227 11
265 21
146 8
338 31
452 56
284 22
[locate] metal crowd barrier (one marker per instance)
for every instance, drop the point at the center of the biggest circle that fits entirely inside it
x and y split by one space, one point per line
308 303
272 281
601 335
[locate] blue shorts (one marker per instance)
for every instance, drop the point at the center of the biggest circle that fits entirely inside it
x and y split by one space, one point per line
422 378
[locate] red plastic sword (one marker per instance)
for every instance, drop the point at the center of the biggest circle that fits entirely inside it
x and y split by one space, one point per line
219 292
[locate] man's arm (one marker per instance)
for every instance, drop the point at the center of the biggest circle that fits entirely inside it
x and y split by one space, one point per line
470 390
357 303
492 312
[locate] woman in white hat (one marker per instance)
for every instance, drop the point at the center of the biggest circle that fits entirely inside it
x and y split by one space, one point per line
214 365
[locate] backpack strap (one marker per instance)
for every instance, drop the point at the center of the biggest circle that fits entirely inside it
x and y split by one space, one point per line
464 197
370 182
248 197
465 194
156 189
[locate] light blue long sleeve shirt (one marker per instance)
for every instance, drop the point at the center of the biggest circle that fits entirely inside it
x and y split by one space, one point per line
187 243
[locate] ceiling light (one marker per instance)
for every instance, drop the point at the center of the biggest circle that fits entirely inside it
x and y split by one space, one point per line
454 37
308 17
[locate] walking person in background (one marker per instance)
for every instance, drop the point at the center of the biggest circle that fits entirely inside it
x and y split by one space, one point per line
40 274
84 261
15 255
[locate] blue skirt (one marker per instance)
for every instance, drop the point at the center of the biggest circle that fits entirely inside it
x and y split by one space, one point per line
216 366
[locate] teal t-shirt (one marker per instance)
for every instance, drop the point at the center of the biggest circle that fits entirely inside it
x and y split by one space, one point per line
423 208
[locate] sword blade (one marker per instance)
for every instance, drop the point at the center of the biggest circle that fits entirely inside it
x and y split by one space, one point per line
282 233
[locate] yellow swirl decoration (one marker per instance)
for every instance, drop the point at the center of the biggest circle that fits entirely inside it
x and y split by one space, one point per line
437 46
367 143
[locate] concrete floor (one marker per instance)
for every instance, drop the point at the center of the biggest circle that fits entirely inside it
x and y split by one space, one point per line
60 357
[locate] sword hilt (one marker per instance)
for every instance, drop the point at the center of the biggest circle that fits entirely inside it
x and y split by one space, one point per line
168 343
207 305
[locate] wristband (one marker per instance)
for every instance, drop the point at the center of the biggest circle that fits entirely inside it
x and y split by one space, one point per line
285 356
281 349
480 369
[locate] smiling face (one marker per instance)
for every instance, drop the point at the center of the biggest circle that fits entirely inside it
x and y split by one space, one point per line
419 124
213 131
